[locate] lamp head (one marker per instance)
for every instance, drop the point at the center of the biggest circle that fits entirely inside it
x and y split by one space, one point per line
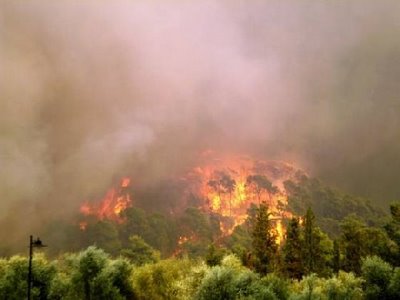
38 243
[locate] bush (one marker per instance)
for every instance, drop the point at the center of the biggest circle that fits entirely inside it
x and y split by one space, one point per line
377 274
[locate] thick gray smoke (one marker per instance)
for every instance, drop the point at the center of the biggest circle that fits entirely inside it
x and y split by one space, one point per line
92 91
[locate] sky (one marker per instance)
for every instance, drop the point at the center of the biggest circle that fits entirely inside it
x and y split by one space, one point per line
92 91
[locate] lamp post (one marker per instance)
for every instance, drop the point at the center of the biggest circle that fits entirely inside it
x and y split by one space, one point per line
32 244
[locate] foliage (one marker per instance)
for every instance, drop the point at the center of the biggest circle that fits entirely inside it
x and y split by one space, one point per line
394 285
328 204
292 250
260 183
377 275
214 255
139 252
264 241
393 230
358 240
218 284
14 274
164 279
351 241
344 286
231 280
317 247
103 234
91 274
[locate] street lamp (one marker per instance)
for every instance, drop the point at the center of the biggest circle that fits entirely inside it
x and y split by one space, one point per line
32 244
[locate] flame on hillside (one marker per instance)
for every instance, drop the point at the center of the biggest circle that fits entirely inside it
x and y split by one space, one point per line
228 186
112 204
225 186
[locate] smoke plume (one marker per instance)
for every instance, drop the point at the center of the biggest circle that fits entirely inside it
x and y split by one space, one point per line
92 91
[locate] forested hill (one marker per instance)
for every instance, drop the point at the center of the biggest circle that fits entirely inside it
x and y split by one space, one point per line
330 205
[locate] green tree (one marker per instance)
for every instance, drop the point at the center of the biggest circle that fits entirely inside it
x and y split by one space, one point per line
136 223
166 279
218 285
336 256
95 276
292 250
114 282
139 252
377 275
104 234
351 240
162 233
14 274
343 286
316 246
393 230
394 286
264 241
90 263
214 255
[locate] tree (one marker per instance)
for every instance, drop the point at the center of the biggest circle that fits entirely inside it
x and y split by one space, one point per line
231 280
139 252
136 223
214 255
310 242
90 263
216 185
166 279
352 243
343 286
336 257
260 183
292 250
394 286
317 247
14 274
94 276
263 241
114 282
217 285
393 230
377 274
104 234
228 184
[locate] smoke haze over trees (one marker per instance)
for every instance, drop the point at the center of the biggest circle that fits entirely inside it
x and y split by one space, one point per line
90 91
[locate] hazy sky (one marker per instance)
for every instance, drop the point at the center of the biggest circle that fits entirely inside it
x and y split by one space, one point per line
92 91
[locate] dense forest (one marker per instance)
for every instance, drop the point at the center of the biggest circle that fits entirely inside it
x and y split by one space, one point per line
335 246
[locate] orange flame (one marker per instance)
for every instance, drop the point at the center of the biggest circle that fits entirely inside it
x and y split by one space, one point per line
110 207
225 187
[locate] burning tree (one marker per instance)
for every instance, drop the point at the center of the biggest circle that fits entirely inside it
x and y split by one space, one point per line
223 183
260 183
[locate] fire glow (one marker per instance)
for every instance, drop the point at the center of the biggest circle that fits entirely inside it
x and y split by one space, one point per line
229 185
226 186
110 207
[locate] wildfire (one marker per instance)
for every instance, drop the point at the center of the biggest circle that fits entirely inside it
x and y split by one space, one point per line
226 186
110 207
229 186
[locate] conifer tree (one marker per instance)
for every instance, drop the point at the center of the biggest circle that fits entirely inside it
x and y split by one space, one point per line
317 247
336 256
292 250
351 239
309 241
264 241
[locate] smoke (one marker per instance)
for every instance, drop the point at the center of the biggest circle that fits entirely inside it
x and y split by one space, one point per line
92 91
